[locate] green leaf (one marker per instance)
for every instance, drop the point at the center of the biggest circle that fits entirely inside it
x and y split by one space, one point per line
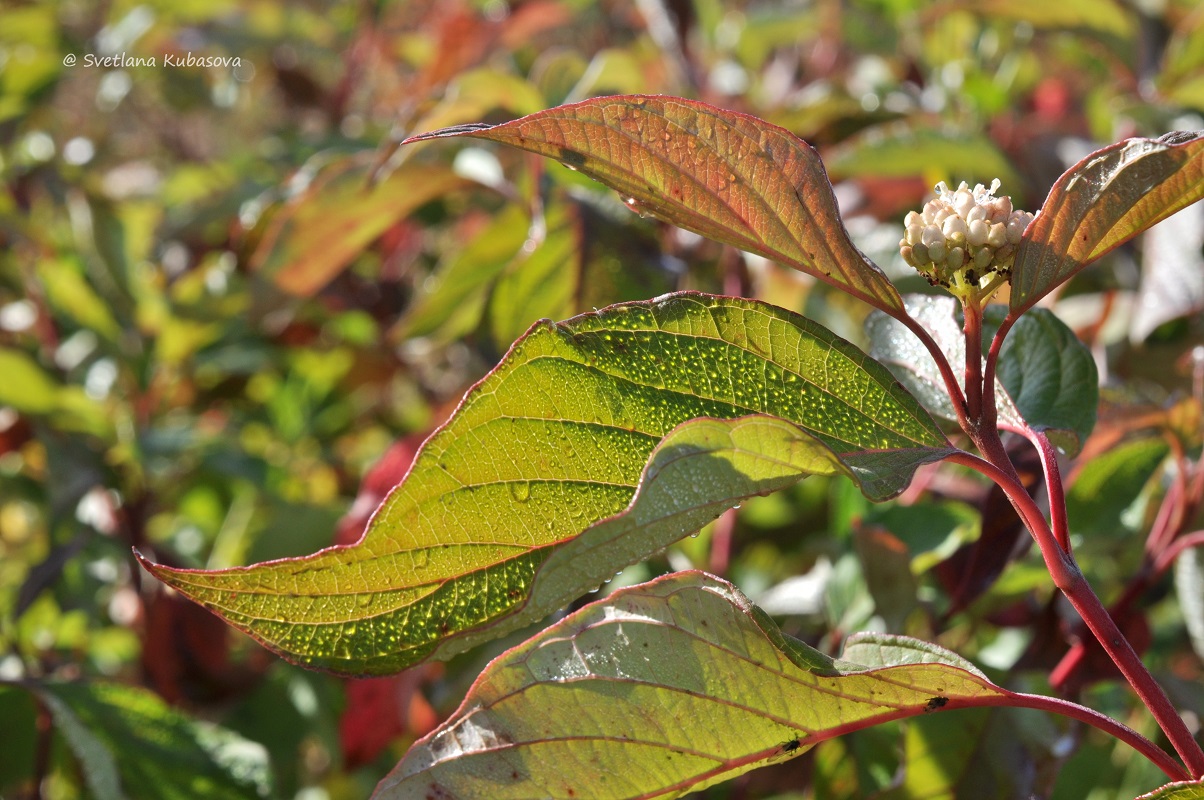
324 227
728 176
528 496
24 385
1047 378
451 300
1050 377
70 293
1109 484
889 153
96 761
156 750
1099 15
584 260
1187 790
973 753
657 690
1102 202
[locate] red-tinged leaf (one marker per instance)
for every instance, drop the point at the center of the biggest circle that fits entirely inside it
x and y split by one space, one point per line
728 176
594 444
339 214
1102 202
665 687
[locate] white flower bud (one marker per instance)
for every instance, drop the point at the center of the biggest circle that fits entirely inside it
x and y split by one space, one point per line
976 233
932 235
954 227
963 201
998 236
1016 225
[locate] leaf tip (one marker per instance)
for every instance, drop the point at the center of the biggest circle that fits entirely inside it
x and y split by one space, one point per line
466 129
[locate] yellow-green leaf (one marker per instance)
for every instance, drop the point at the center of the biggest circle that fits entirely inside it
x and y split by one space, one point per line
665 688
569 462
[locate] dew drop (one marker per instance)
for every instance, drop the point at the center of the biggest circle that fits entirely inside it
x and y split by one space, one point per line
520 491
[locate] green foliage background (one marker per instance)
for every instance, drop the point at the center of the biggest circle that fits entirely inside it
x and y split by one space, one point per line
224 296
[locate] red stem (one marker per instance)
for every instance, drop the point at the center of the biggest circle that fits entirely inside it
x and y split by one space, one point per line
1053 482
721 542
1167 557
1065 708
1069 578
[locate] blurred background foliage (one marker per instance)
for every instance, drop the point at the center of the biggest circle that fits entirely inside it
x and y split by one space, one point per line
229 305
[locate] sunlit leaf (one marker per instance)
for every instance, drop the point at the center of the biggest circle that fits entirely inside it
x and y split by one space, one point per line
1102 202
725 175
476 93
1187 790
662 688
584 260
973 753
69 292
321 230
157 751
528 496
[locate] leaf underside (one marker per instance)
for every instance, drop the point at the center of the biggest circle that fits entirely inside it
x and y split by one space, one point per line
665 688
728 176
1102 202
528 497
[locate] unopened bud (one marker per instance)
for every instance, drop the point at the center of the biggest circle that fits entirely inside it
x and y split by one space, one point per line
962 239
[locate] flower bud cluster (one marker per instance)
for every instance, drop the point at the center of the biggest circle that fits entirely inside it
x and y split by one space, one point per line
963 238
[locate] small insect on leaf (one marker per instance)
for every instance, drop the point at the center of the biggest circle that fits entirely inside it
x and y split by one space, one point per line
935 704
791 746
